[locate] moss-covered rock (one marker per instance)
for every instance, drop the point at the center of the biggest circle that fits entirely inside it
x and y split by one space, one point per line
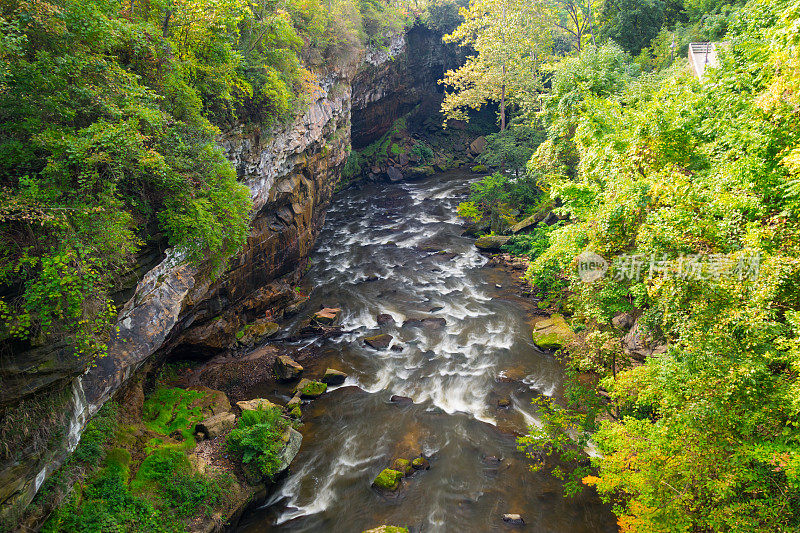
403 465
295 412
310 389
479 168
387 529
552 333
491 243
420 463
388 479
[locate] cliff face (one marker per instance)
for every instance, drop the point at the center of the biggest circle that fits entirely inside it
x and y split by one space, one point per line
292 171
384 90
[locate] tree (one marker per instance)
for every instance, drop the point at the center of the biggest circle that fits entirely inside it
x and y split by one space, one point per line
511 38
632 24
576 17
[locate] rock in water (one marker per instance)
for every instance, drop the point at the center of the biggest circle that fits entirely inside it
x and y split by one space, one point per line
552 333
402 400
491 243
328 316
513 519
334 377
294 402
286 368
403 465
420 463
394 173
293 439
387 529
385 318
310 389
378 342
388 479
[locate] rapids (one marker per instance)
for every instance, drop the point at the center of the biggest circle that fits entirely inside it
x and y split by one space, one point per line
397 249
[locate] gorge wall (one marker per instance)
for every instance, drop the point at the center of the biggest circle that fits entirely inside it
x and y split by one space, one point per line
292 172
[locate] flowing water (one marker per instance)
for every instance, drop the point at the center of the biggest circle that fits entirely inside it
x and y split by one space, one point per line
381 252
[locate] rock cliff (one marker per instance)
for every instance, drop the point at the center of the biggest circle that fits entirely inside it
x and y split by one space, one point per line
292 171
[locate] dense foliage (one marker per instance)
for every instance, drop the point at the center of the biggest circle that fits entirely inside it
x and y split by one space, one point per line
689 191
258 437
108 118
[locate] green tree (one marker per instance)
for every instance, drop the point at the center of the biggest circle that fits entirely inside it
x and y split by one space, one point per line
511 39
632 24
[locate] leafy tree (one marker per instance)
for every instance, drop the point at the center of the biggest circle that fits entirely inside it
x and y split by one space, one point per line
576 18
511 39
511 148
632 24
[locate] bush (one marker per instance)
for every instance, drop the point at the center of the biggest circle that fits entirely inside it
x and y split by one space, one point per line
258 437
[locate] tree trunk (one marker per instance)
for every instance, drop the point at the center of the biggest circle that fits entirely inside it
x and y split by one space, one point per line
503 102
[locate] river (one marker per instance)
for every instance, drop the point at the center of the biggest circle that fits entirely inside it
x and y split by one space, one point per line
397 249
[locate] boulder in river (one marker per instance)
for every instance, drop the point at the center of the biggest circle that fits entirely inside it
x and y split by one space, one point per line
403 465
420 463
310 389
385 318
333 377
503 403
428 323
491 243
378 342
328 316
294 402
388 479
396 348
513 518
402 400
552 333
286 368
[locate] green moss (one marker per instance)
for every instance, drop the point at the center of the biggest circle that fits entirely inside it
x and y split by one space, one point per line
296 412
310 389
387 529
402 465
479 168
419 463
388 479
172 409
396 149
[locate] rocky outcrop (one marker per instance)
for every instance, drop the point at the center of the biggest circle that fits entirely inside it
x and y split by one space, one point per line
386 90
552 333
291 171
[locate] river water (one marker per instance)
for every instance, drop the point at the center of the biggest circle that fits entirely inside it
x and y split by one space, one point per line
381 252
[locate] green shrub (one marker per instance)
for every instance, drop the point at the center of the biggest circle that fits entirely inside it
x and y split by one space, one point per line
258 437
422 151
